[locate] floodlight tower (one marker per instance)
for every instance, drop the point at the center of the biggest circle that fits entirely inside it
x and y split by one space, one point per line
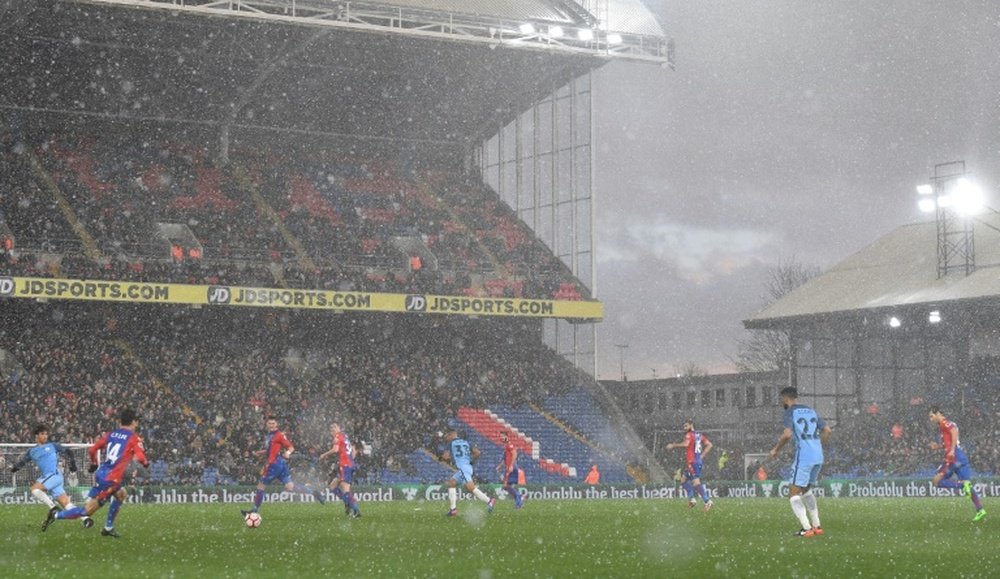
954 200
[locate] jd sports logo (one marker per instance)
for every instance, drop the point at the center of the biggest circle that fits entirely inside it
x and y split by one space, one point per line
416 303
218 295
6 286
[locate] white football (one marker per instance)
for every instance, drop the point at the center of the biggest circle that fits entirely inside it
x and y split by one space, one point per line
252 520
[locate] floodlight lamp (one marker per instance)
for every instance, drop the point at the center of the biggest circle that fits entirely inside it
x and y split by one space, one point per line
927 205
894 322
555 32
527 28
934 317
614 38
585 34
924 189
968 197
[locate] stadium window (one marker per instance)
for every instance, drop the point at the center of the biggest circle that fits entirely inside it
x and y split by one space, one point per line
720 397
706 398
735 397
751 396
663 401
677 399
765 395
692 399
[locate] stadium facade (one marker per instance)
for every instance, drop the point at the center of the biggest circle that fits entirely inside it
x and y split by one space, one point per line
883 331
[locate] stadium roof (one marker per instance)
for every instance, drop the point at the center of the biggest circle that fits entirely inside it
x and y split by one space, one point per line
110 59
898 270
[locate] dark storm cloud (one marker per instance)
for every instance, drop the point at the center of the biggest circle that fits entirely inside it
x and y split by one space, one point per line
789 130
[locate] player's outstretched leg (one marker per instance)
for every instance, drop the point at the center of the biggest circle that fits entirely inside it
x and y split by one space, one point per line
258 498
74 513
49 517
812 509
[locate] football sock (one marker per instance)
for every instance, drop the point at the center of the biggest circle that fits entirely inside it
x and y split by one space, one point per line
701 490
74 513
800 511
453 497
349 499
949 484
688 489
258 498
809 500
480 495
975 501
337 492
43 497
510 490
112 513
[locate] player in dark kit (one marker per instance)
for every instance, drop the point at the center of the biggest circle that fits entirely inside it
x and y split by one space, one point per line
277 449
341 482
511 473
956 463
121 447
697 446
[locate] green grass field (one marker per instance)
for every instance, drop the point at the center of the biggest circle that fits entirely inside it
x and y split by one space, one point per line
865 537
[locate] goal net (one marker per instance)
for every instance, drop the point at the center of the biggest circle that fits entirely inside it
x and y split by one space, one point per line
15 487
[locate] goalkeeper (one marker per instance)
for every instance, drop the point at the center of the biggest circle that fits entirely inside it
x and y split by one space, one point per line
50 480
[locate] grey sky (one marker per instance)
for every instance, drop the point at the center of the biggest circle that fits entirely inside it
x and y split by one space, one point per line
790 130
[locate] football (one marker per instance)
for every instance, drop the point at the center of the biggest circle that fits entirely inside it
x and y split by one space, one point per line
252 520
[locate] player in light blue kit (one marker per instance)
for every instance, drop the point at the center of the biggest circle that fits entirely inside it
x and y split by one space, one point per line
810 433
49 484
460 452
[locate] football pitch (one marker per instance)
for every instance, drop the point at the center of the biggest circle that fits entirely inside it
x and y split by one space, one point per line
627 538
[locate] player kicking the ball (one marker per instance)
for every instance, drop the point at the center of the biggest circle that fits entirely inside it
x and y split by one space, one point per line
49 484
460 453
810 433
277 450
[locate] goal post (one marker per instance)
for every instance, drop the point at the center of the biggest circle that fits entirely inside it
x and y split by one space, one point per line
15 487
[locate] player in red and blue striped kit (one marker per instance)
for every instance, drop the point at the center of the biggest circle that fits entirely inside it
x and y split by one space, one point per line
120 447
697 446
956 463
277 449
341 482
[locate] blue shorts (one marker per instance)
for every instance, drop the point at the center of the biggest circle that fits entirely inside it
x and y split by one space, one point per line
463 475
805 475
962 470
513 477
693 471
53 484
277 471
346 474
103 488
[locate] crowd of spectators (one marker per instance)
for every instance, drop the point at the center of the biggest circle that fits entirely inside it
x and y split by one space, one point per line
314 220
204 380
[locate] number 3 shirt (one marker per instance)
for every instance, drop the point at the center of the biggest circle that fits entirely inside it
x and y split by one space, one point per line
806 426
121 446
